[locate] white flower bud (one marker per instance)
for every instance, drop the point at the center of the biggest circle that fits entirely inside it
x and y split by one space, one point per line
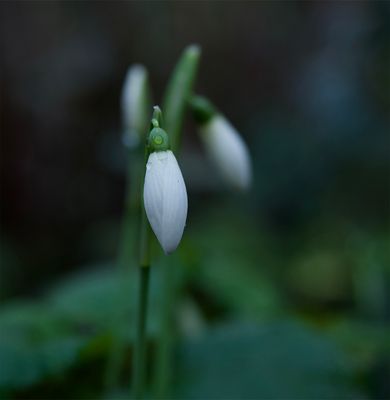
228 151
165 199
134 104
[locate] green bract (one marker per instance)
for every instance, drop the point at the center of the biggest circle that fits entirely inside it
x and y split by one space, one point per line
202 109
158 140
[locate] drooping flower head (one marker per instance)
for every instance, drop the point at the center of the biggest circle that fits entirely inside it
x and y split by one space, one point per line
165 194
224 144
135 104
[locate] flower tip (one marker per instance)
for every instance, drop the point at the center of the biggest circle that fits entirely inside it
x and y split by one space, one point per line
194 50
245 185
137 69
168 250
244 182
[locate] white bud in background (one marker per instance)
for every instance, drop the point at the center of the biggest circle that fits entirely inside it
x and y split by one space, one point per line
134 104
228 151
165 199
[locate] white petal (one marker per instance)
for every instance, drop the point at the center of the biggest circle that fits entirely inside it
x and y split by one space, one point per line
132 103
165 199
228 150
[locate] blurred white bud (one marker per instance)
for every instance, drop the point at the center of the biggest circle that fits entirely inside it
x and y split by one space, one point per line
135 105
228 151
165 199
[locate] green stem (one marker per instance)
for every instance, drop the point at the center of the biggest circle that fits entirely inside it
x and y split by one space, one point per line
163 366
140 346
175 103
144 256
144 269
126 255
125 260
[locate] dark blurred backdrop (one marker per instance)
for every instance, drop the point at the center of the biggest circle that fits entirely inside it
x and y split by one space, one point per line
307 84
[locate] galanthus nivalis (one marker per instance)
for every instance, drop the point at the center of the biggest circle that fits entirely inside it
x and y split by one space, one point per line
135 104
165 194
224 144
228 151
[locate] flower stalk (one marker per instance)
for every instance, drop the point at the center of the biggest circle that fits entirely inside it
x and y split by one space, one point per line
140 346
163 205
175 103
135 107
165 211
140 354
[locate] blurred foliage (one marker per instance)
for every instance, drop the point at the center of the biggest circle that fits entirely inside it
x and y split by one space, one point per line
279 360
259 352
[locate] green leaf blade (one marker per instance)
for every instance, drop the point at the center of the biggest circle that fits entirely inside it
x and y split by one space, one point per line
178 92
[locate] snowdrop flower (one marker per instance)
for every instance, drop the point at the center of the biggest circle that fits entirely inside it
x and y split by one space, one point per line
224 144
165 195
134 104
228 151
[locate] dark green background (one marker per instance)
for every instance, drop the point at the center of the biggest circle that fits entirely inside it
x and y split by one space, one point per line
286 288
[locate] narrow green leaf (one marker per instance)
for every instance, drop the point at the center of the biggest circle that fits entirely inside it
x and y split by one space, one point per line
176 98
178 91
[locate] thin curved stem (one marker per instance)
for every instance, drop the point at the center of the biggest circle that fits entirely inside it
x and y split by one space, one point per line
140 346
144 270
